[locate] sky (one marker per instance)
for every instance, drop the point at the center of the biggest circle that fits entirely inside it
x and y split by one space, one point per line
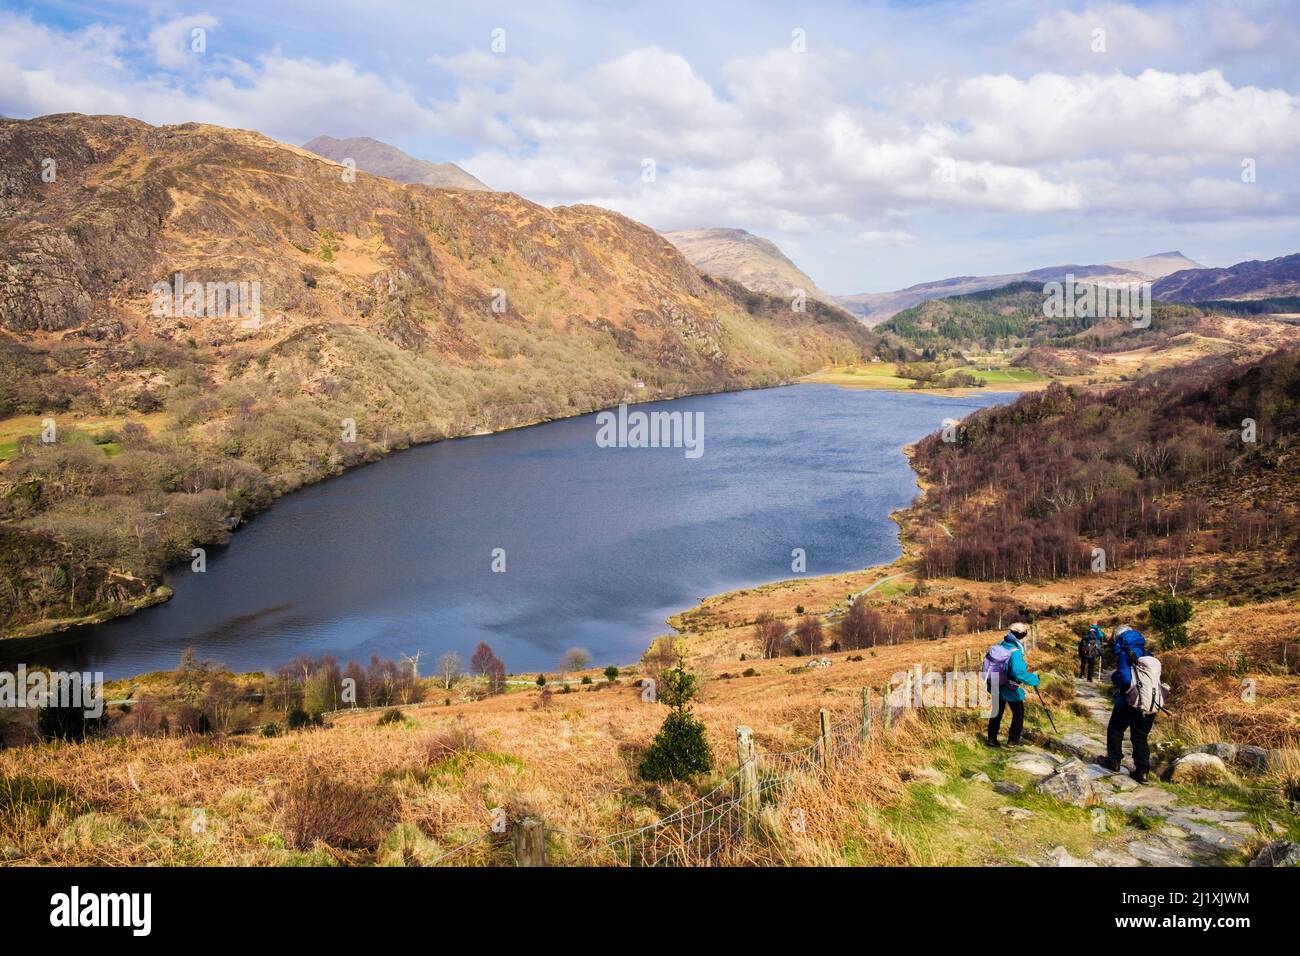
878 144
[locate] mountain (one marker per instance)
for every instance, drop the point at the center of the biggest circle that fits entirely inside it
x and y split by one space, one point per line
875 307
1157 266
310 309
1255 279
754 262
372 156
1011 319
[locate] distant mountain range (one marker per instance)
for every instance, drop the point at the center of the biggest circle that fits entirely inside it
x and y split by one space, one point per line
754 262
876 307
1256 279
760 266
381 159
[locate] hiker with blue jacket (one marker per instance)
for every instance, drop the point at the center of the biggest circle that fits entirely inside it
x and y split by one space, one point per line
1138 695
1005 668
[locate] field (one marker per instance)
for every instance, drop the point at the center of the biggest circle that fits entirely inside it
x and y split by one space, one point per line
97 429
885 376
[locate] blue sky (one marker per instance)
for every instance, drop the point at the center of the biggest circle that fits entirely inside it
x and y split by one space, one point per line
878 144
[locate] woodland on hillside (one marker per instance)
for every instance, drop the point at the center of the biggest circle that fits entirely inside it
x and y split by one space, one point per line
1012 317
1203 459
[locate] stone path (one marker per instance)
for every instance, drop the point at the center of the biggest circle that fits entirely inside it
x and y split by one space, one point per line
1176 834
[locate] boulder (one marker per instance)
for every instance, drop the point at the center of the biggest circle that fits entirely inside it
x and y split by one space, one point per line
1144 798
1082 744
1122 782
1278 853
1032 763
1200 768
1225 751
978 777
1007 788
1069 783
1252 758
1157 852
1060 856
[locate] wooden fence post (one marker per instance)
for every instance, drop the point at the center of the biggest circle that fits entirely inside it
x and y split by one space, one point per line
886 711
864 732
530 843
748 775
824 733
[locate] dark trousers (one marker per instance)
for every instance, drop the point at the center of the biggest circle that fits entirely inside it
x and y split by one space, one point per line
1125 718
1087 667
1017 720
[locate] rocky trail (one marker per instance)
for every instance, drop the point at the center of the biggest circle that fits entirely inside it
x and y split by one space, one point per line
1177 832
1048 802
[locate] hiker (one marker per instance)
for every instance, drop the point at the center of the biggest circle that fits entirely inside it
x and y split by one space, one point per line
1090 652
1138 696
1004 666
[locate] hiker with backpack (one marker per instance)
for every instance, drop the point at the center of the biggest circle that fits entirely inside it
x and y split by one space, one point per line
1090 652
1139 695
1004 669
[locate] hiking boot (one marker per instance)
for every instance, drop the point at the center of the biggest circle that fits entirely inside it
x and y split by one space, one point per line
1112 765
991 743
1138 776
1015 743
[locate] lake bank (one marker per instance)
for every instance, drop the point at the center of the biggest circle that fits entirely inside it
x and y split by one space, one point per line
600 545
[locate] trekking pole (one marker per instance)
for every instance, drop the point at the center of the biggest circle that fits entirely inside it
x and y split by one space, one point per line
1046 710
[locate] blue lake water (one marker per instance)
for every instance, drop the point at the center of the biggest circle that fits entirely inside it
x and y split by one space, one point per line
601 544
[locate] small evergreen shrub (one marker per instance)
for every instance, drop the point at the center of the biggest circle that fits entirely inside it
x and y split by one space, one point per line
680 750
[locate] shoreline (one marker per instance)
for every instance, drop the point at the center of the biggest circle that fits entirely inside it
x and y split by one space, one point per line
44 634
161 592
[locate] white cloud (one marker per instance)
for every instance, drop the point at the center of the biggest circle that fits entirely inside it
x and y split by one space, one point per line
173 42
822 143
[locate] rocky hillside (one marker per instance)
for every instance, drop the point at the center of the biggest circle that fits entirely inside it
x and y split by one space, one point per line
754 262
372 156
1255 279
403 312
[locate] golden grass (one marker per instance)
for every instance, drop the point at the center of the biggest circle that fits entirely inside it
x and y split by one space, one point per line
573 764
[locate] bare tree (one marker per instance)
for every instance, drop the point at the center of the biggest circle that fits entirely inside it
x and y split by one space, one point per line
856 627
808 635
576 658
483 657
496 676
450 669
769 634
219 704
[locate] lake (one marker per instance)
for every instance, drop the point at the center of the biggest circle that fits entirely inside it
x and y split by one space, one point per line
599 544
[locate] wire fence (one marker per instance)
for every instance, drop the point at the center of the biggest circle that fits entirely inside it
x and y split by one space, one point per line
704 830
